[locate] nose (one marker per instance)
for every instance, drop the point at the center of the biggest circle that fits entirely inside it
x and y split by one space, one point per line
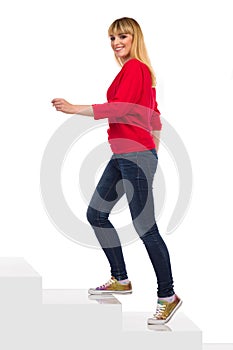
117 40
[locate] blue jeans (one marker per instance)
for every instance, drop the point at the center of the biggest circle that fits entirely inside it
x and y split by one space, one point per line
136 170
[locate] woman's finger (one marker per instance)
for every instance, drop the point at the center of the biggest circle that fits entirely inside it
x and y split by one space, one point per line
56 100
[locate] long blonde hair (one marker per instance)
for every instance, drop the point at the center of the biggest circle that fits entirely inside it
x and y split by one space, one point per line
128 25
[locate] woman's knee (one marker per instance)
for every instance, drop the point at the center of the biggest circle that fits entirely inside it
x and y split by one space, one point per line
91 215
96 217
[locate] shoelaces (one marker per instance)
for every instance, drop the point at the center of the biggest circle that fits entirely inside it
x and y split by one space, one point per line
159 310
111 281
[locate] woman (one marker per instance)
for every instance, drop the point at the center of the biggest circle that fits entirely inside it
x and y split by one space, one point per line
133 134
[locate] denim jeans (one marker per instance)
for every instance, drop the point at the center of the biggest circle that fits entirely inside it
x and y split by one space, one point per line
136 170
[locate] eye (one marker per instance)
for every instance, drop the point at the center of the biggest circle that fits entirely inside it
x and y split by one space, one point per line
112 38
123 36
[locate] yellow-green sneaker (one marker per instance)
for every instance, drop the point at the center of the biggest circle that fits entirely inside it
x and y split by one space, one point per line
112 286
165 311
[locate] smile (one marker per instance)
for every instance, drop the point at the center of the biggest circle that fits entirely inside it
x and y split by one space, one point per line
119 48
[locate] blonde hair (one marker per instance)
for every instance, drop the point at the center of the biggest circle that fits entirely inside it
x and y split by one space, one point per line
128 25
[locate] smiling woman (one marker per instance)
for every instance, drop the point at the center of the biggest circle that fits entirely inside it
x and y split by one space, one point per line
133 134
129 31
121 45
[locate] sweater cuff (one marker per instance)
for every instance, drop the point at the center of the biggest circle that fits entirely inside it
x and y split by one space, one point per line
156 122
100 111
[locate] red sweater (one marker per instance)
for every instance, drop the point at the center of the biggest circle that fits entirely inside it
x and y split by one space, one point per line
131 109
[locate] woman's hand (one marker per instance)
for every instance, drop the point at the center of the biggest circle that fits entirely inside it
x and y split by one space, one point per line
62 105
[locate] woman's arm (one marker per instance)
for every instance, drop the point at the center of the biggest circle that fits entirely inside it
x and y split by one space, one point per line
62 105
156 138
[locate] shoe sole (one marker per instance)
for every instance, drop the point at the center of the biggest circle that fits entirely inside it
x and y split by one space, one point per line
100 297
153 321
101 292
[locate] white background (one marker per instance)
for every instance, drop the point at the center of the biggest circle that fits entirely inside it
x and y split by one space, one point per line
61 49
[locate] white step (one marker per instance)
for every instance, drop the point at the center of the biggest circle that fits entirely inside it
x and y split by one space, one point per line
77 318
69 319
209 346
20 301
20 284
179 333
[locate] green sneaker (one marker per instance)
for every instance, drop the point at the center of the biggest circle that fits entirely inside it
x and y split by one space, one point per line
112 286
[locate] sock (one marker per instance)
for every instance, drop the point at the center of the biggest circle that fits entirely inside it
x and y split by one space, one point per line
126 281
169 299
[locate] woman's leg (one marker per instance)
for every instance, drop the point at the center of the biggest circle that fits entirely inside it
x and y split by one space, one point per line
107 193
139 168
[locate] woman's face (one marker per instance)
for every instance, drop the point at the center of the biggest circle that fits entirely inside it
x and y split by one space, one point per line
121 44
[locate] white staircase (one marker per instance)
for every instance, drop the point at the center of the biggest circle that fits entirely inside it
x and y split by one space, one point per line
67 319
